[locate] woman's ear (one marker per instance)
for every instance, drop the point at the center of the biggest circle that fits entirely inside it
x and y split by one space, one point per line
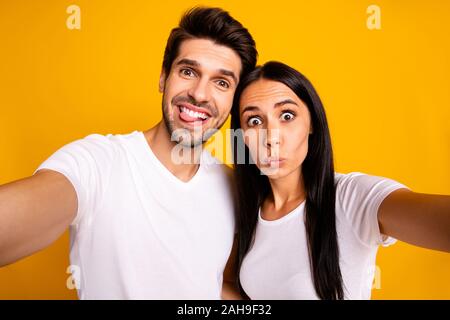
162 81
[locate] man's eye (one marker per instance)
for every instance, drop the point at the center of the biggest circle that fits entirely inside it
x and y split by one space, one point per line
187 72
253 121
287 116
223 84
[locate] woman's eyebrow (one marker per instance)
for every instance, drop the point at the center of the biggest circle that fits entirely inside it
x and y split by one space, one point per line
286 101
278 104
249 108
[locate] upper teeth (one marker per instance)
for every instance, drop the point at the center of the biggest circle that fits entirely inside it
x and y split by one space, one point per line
194 114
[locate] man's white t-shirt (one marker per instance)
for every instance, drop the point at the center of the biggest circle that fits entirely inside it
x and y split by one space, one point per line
140 232
277 265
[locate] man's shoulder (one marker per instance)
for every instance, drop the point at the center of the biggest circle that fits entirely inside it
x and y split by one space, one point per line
110 138
106 140
98 145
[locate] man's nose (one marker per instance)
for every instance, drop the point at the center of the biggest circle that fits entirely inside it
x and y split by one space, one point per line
199 91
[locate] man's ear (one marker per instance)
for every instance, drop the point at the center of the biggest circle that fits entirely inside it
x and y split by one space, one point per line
162 81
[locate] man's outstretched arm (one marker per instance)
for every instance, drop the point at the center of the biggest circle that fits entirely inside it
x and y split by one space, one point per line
34 212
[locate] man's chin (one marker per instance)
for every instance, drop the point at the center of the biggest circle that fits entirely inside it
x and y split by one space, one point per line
196 133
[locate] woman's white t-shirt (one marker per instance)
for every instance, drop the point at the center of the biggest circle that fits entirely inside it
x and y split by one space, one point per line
140 232
277 265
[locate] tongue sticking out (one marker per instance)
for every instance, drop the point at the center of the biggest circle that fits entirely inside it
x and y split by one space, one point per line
186 117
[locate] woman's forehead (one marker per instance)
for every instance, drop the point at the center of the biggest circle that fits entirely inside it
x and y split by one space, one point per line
264 91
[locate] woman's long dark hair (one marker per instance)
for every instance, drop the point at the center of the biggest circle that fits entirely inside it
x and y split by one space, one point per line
318 175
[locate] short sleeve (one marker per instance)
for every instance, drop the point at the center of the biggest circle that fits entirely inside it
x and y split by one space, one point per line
358 197
85 163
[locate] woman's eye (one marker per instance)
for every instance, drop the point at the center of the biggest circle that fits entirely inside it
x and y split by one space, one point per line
287 116
253 121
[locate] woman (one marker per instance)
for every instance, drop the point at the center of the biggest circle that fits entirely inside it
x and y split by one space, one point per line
306 232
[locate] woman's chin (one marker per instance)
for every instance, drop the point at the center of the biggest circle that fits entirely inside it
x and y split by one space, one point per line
271 172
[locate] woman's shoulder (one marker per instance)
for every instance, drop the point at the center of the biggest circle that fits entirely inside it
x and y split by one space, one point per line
358 182
358 197
342 178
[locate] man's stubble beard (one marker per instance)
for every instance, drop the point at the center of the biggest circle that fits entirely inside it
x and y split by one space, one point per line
178 134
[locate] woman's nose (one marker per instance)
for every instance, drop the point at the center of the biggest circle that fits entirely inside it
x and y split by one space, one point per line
272 137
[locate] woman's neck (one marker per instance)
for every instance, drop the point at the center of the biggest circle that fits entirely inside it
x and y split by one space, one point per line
287 191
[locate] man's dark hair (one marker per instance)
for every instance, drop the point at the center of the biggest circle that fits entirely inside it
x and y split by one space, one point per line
213 24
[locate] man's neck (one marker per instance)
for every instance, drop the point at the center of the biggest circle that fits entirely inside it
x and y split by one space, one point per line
160 142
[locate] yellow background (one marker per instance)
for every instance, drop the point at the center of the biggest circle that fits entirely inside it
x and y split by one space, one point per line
386 93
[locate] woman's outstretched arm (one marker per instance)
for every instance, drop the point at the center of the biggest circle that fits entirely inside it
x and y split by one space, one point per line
416 218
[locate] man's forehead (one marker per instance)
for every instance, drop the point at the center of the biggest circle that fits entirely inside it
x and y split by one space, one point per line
207 54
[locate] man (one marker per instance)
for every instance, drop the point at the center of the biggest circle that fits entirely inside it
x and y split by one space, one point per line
144 225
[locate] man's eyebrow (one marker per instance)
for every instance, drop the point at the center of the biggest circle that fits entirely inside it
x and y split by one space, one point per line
189 62
229 74
278 104
194 63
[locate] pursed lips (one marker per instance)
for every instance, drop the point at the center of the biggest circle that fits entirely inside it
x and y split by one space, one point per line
273 161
